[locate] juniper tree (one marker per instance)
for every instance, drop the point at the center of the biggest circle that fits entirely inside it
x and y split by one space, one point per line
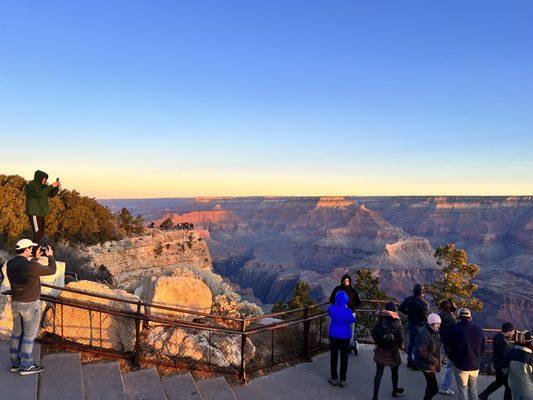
455 278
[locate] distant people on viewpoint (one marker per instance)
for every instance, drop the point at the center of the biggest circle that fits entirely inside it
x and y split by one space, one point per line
417 309
387 335
427 354
354 302
448 321
37 208
340 333
518 363
466 343
24 277
501 345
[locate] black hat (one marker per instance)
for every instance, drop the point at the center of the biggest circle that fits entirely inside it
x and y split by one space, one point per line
507 327
391 306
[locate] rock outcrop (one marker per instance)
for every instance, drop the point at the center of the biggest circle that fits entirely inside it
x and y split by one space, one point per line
176 291
92 327
131 259
197 345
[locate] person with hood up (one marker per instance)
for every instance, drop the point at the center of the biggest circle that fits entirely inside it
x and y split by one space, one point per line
417 310
427 354
518 363
37 207
354 302
501 345
466 343
447 316
340 333
387 334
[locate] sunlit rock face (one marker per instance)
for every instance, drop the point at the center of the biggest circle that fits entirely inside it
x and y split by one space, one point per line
131 259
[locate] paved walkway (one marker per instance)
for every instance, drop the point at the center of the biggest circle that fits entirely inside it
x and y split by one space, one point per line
308 381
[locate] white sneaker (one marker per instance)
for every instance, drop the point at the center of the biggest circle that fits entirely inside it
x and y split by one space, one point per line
449 392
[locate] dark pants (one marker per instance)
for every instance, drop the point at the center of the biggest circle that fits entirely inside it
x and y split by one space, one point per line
336 345
432 386
413 333
379 374
37 227
501 380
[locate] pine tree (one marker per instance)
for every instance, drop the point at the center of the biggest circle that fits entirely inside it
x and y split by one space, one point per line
455 278
166 224
300 297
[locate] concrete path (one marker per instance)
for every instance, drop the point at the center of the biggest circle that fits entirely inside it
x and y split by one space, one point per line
308 381
12 385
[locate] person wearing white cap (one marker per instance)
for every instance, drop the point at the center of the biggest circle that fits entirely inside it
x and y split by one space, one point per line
427 354
24 277
466 343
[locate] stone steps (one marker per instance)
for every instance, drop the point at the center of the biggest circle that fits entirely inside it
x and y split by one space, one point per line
103 381
144 385
216 389
63 375
12 385
181 387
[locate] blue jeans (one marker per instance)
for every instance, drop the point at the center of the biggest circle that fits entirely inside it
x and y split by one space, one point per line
26 321
447 379
413 333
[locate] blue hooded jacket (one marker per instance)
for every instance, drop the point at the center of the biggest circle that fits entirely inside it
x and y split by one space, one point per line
341 317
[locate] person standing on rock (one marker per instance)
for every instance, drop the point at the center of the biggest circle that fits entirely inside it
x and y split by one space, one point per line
417 309
501 344
387 334
340 333
24 277
37 208
354 302
467 343
427 354
447 316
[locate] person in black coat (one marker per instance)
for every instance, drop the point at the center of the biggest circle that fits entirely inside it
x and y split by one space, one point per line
354 302
417 310
466 345
427 354
447 316
501 345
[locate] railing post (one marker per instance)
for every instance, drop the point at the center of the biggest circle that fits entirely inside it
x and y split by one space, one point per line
137 350
243 377
307 329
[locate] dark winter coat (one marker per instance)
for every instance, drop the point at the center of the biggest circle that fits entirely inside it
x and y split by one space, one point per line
342 318
390 357
427 350
500 345
466 343
416 309
519 364
37 195
354 302
448 322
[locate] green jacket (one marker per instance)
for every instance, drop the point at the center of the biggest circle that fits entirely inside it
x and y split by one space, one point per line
37 195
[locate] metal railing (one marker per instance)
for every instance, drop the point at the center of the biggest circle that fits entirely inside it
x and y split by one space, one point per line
284 337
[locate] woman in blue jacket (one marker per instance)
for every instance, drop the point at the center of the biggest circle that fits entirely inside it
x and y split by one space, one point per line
340 333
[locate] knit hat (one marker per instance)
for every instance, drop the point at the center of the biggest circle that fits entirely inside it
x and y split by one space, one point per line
434 319
465 313
523 338
507 327
391 306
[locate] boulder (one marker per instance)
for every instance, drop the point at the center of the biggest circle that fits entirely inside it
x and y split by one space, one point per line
222 350
176 291
92 327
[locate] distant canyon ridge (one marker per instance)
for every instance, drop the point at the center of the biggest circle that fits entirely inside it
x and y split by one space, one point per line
266 244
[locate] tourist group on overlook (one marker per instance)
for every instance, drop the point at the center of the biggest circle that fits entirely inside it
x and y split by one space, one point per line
448 337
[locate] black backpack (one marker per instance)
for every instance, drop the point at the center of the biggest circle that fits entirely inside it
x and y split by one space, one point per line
383 334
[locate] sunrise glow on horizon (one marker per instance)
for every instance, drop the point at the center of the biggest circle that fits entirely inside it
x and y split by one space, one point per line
136 99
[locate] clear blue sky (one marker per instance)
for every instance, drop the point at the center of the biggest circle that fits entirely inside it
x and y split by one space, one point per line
170 98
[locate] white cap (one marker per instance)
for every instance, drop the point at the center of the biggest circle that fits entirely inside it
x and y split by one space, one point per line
434 319
24 244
